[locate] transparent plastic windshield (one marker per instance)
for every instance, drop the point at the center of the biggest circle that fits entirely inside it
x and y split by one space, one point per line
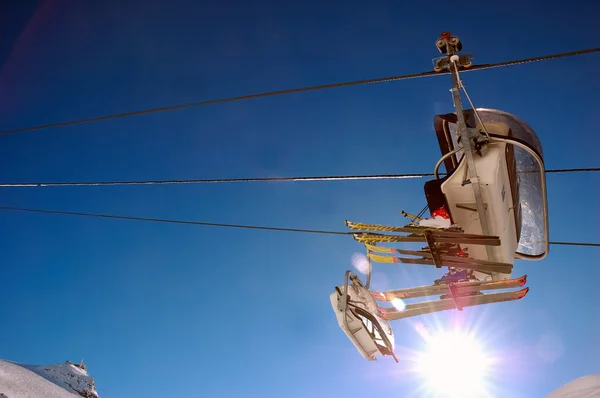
533 239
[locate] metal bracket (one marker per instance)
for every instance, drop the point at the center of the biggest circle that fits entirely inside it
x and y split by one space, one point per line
343 305
470 206
437 261
442 63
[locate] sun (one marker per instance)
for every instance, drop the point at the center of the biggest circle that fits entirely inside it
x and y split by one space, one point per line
454 364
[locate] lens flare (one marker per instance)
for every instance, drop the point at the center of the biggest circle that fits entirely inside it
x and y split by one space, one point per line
399 304
454 365
360 262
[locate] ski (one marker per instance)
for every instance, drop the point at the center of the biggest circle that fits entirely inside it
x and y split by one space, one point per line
392 314
475 267
426 254
389 228
447 261
381 249
417 230
445 253
438 236
455 258
461 288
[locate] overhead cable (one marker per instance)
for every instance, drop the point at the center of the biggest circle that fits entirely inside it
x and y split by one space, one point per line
256 179
171 221
210 224
298 90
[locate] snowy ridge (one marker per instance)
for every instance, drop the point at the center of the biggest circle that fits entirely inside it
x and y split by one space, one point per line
65 380
583 387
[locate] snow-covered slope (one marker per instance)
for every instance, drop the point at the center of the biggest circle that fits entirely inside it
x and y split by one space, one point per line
583 387
64 380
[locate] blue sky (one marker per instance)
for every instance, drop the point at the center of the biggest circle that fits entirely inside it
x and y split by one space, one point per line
168 310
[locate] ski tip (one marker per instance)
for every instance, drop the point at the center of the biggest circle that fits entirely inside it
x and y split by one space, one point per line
523 280
378 296
522 293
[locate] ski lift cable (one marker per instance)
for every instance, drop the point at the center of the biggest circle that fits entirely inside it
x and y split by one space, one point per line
256 179
298 90
210 224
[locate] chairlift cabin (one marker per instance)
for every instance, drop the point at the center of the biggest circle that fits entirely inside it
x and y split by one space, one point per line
487 210
511 177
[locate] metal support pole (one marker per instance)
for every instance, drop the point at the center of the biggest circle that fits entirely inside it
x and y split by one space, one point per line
467 138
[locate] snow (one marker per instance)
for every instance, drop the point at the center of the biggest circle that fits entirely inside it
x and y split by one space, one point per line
583 387
64 380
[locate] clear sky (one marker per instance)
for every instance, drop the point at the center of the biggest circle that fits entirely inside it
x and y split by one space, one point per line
162 310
